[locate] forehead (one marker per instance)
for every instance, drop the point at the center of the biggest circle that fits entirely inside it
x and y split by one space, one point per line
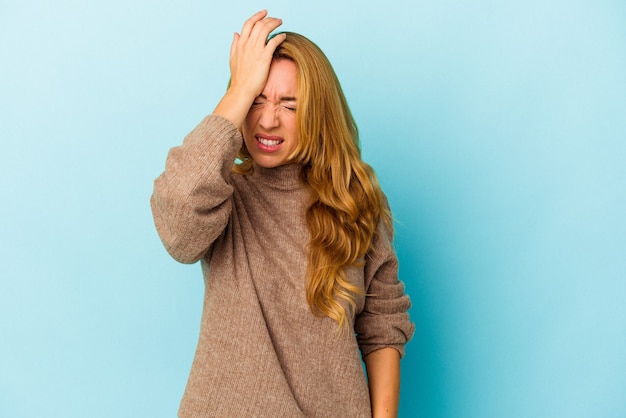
282 79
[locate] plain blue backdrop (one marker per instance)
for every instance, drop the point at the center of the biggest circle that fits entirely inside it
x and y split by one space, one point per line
497 129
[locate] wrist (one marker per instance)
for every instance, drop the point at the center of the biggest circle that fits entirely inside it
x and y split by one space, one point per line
235 105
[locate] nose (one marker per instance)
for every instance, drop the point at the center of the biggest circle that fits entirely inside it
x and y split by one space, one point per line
269 116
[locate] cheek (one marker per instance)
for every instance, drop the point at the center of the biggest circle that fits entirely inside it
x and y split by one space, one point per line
293 130
248 139
247 128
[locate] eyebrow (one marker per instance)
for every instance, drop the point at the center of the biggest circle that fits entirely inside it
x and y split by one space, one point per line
282 99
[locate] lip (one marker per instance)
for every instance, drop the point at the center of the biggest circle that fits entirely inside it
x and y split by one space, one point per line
268 143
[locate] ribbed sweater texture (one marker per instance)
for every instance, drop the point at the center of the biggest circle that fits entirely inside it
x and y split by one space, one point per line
261 352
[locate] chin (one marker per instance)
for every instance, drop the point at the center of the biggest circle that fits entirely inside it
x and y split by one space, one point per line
269 164
266 161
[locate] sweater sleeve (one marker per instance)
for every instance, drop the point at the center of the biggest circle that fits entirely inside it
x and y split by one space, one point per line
384 320
192 199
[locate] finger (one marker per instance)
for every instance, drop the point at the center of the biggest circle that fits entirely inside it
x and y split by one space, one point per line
273 43
272 24
233 45
249 24
263 28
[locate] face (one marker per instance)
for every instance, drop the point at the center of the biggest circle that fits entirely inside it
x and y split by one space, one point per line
270 127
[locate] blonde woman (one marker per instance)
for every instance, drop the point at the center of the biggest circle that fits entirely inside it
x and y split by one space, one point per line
295 241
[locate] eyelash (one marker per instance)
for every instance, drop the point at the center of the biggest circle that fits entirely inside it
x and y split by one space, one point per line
291 109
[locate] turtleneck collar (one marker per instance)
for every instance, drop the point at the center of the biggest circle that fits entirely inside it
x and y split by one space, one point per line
284 177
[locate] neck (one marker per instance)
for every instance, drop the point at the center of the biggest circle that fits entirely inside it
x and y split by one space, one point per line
287 176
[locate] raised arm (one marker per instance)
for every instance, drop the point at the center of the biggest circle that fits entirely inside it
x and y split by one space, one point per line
250 59
191 202
192 198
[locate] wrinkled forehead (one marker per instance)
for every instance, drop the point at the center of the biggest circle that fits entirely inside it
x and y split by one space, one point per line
282 81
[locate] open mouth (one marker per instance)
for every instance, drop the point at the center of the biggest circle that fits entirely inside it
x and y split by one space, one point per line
268 143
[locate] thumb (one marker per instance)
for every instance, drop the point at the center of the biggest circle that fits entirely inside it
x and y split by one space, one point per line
233 45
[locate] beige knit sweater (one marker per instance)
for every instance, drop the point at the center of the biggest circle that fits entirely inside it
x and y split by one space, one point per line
261 352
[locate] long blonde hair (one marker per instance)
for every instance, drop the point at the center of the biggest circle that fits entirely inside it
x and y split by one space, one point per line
347 202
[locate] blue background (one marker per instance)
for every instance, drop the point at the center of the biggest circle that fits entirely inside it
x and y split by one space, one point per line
497 129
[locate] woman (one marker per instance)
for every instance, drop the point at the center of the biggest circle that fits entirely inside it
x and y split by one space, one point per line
294 241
